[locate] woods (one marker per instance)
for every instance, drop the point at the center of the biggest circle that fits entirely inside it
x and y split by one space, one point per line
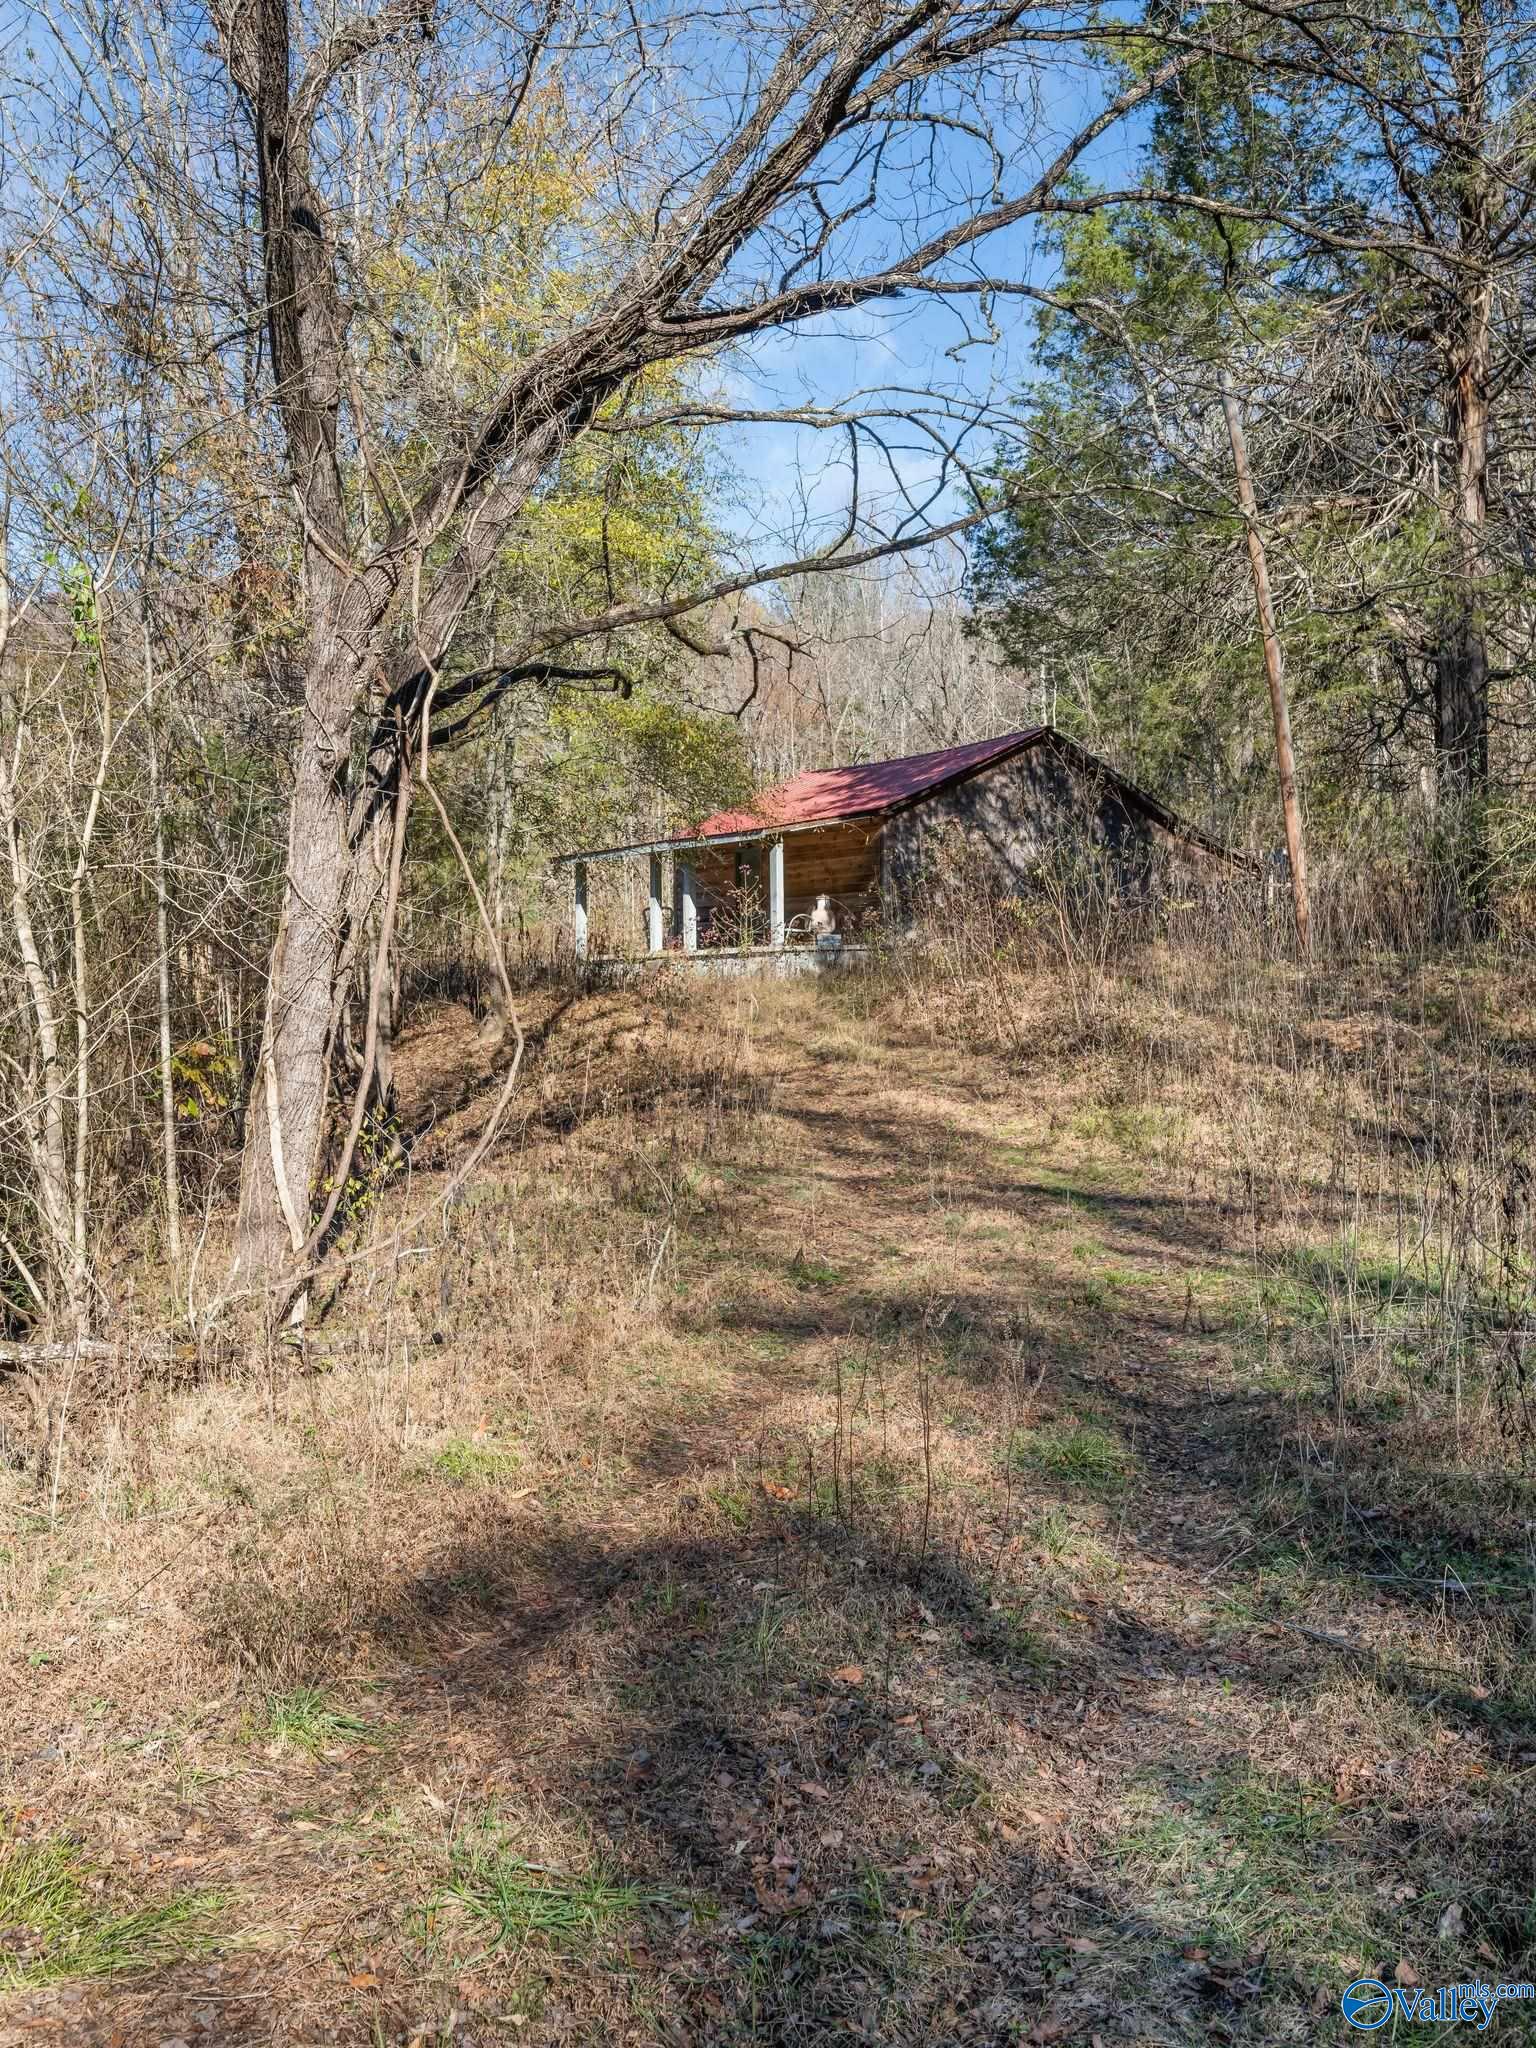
370 394
356 470
1342 227
981 1497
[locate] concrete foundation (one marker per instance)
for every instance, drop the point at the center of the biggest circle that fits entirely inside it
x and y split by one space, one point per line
763 962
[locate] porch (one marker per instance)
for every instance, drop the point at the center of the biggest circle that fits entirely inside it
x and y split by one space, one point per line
742 903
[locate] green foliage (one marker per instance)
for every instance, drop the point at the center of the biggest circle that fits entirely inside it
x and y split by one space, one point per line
309 1719
691 762
624 517
79 586
582 769
1247 1861
1119 569
463 1461
375 1161
57 1921
205 1074
1083 1454
514 1901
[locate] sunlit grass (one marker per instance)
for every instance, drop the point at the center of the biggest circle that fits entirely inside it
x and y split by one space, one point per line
512 1900
465 1461
1249 1862
58 1920
308 1718
1082 1454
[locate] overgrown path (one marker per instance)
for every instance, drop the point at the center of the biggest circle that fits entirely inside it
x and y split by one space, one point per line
846 1540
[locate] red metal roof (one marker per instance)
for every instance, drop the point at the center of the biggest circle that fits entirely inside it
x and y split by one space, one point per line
823 796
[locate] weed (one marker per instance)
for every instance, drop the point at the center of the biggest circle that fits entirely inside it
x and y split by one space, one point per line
1252 1862
1064 1541
512 1900
735 1503
662 1597
1084 1454
307 1718
467 1461
811 1273
1137 1132
57 1922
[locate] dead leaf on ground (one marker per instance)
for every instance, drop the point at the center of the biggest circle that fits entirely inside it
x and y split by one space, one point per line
777 1883
1405 1973
848 1674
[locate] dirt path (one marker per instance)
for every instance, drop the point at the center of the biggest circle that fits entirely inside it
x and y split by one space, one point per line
838 1552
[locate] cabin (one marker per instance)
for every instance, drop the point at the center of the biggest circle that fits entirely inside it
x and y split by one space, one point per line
802 877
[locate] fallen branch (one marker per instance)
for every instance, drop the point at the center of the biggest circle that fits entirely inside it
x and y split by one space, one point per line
74 1348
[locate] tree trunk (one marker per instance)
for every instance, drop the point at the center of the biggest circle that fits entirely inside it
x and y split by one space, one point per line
168 1138
1461 659
45 1126
1274 670
288 1127
1461 704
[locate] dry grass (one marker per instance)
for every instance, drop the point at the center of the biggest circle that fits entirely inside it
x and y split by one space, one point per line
957 1508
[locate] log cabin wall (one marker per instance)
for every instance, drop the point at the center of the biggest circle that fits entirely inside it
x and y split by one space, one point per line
1035 806
721 877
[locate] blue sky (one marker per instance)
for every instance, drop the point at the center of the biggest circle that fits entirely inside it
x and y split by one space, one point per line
791 484
793 480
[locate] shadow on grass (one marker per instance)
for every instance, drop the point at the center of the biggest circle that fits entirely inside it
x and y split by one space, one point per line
777 1773
814 1779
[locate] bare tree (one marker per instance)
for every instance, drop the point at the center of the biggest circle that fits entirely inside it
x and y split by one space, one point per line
1274 668
866 666
759 171
59 727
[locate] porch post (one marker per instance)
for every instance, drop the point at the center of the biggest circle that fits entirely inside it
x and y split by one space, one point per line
689 899
579 909
653 908
776 892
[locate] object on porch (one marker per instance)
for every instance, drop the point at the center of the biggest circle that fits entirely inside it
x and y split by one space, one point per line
831 854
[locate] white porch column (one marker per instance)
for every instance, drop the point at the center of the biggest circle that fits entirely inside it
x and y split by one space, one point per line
579 909
688 896
653 908
776 892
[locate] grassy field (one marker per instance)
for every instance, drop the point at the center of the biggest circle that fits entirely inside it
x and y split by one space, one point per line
957 1508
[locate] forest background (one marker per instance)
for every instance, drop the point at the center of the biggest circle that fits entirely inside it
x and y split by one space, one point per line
383 511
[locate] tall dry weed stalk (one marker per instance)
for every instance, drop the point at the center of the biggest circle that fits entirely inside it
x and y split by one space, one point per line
1364 1119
